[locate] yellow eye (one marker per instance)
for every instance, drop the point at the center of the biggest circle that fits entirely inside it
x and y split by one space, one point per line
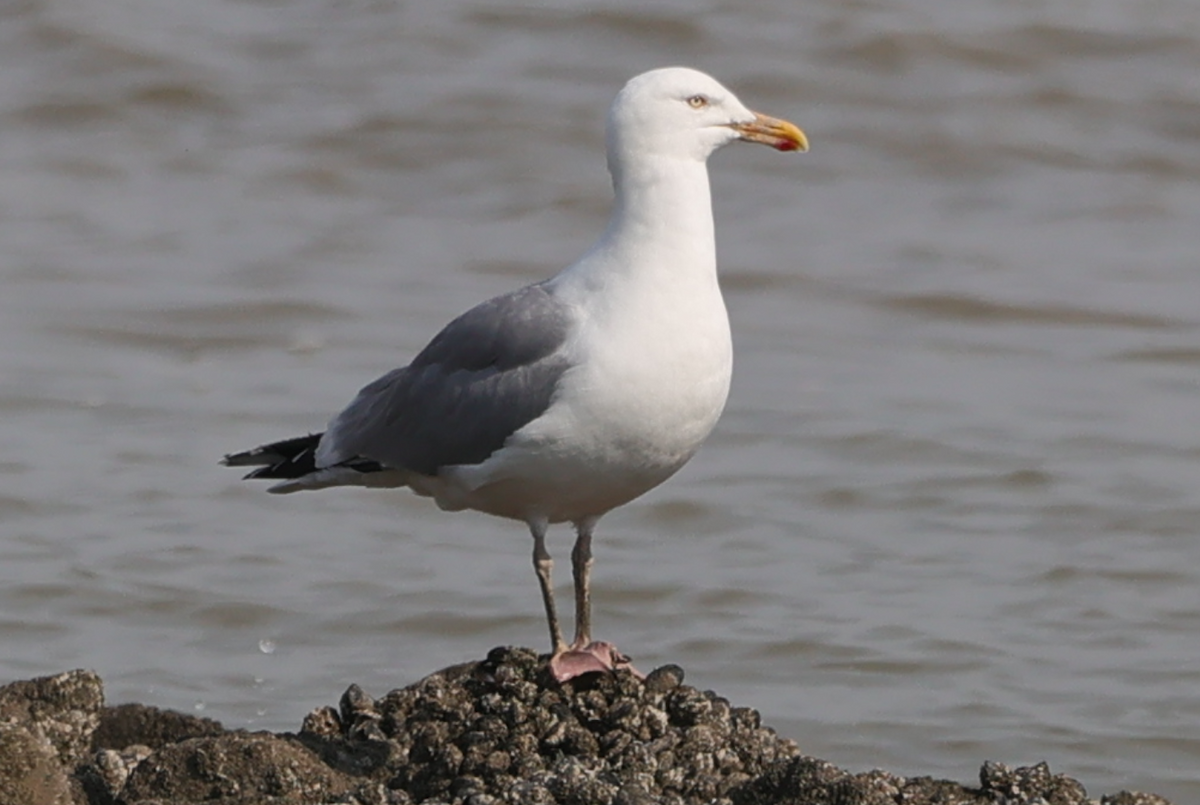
697 101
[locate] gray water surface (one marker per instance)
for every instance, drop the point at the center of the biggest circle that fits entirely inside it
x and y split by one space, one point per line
950 514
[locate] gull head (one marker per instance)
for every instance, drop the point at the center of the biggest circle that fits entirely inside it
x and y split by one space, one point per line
680 113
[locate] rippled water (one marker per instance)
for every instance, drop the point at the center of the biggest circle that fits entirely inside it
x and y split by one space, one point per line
950 514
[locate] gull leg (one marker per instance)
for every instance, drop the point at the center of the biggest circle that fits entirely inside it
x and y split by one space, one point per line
581 569
542 563
585 656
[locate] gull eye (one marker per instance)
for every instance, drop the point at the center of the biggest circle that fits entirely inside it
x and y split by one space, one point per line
697 101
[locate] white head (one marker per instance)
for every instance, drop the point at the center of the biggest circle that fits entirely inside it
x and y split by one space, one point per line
680 113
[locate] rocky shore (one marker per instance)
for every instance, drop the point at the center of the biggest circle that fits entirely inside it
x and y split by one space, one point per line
493 732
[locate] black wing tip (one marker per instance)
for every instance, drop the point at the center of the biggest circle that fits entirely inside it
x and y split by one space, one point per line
243 459
271 458
268 471
291 458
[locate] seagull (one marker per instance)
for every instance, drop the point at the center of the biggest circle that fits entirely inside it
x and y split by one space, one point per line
562 400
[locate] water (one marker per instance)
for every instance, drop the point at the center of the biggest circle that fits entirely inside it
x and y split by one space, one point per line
950 513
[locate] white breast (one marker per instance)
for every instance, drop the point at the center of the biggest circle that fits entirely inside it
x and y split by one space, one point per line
651 356
649 383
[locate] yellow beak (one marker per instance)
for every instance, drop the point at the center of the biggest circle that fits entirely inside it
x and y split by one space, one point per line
779 134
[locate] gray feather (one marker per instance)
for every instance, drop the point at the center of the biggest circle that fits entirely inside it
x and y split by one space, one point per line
486 375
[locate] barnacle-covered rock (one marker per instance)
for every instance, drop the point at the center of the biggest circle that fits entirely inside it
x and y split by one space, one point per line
64 709
236 766
30 771
128 725
500 731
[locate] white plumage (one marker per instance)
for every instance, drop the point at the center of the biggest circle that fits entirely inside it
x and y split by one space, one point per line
564 400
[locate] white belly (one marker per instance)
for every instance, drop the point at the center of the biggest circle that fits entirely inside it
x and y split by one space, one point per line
637 406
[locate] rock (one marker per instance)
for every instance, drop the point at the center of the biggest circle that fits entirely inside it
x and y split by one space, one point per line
104 778
126 735
31 772
809 781
64 709
803 780
1133 798
1029 784
233 768
495 732
503 730
129 724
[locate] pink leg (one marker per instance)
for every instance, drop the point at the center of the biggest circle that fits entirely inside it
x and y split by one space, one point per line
581 571
585 655
542 563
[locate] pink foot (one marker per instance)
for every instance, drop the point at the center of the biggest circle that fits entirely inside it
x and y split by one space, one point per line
597 656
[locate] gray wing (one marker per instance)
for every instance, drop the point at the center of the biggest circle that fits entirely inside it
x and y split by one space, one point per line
486 375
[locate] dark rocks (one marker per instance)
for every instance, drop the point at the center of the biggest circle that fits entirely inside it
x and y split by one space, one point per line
496 732
233 768
31 772
63 709
104 778
128 724
1133 798
126 735
519 736
808 781
1030 783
